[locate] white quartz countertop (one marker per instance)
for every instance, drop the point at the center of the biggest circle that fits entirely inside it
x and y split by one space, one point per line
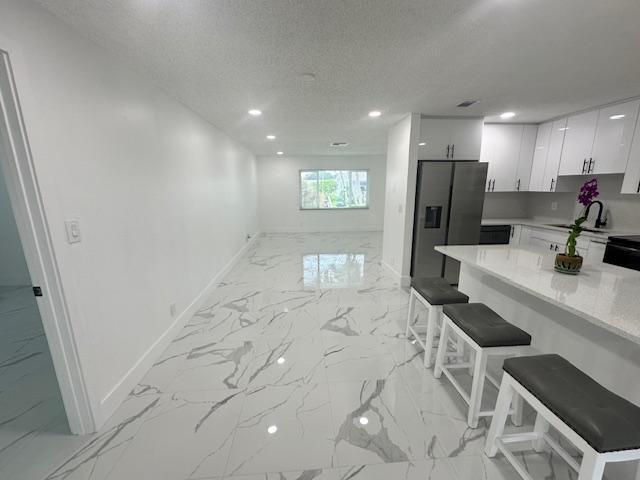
603 294
545 223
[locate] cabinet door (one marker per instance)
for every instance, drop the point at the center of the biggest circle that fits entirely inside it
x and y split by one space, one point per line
595 254
556 143
503 150
466 138
436 134
488 151
578 142
536 183
631 182
525 159
613 138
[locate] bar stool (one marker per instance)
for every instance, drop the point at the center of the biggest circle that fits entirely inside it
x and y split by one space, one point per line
432 293
487 333
604 426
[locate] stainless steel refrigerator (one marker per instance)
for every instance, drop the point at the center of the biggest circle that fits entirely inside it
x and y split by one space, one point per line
449 203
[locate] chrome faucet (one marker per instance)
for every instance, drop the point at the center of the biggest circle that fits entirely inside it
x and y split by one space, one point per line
599 221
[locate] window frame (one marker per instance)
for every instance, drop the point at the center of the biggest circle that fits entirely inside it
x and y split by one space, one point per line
317 170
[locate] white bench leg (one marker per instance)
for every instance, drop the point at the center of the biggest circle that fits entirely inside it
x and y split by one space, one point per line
442 347
541 427
518 410
592 466
477 387
412 308
432 320
499 420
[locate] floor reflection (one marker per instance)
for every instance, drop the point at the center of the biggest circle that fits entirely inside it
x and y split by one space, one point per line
333 270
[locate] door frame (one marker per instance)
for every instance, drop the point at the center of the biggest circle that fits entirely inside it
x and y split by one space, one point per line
28 209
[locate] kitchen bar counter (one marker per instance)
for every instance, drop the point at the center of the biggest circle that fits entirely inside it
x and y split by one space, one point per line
592 319
605 295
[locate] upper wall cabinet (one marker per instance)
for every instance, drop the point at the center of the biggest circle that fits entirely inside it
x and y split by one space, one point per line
508 149
599 141
556 147
614 133
450 138
631 182
536 183
578 142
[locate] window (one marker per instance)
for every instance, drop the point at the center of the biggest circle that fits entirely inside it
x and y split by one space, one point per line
327 189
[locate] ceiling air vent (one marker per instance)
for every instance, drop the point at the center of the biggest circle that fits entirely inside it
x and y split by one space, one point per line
467 103
339 144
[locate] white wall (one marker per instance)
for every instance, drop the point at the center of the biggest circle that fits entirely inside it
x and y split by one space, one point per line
400 192
13 268
279 195
163 198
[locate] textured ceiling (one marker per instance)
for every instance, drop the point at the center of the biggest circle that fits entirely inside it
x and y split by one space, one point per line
539 58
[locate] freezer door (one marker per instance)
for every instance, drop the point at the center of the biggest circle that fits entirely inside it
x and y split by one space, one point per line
430 220
467 203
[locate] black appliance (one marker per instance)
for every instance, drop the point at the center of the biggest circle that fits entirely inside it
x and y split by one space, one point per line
623 251
495 234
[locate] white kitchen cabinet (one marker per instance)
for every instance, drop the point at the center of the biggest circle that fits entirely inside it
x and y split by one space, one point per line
578 143
614 134
536 182
516 233
450 138
631 182
595 254
508 149
556 146
554 241
525 159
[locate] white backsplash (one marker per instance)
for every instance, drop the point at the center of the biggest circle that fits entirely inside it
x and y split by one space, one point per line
623 211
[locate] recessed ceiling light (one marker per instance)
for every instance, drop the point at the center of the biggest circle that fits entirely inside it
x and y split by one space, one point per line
507 115
375 113
279 153
271 137
339 144
272 429
363 420
255 112
617 117
422 144
562 129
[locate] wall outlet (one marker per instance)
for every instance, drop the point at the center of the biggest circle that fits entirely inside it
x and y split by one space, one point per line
173 309
554 206
248 237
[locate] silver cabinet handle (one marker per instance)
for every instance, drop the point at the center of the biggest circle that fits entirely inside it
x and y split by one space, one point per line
557 248
493 187
584 166
592 165
518 185
553 180
489 186
551 246
638 190
448 148
453 147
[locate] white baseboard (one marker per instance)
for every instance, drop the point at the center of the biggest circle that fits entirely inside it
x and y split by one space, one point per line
349 229
403 281
127 383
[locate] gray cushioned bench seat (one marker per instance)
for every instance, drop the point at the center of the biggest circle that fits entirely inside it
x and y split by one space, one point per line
604 420
437 291
486 327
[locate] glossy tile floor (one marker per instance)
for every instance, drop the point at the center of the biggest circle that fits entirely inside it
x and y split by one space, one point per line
296 368
32 417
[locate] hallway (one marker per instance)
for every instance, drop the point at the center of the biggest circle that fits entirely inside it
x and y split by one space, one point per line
296 364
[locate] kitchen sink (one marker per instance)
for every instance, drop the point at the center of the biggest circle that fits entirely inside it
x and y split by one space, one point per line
566 225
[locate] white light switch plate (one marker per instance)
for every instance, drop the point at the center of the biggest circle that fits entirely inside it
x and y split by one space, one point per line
73 231
554 206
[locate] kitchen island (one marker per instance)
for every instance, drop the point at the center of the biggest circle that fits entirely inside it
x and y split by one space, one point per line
592 319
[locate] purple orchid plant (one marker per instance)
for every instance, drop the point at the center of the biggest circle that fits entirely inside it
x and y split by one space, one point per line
588 193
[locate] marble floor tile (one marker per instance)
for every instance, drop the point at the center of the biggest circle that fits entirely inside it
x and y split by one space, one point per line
294 368
283 428
353 358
